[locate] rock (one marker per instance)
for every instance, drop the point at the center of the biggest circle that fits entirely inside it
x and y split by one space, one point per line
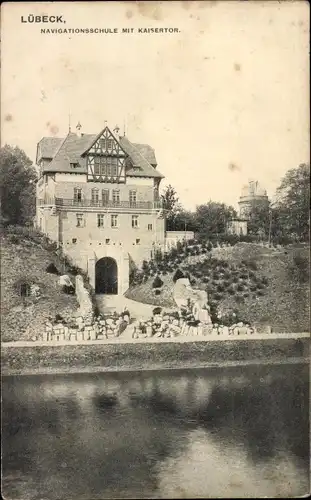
243 330
64 280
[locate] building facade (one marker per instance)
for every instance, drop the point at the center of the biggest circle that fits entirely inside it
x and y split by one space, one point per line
98 198
237 226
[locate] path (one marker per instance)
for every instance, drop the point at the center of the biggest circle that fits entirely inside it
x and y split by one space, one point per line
111 303
156 340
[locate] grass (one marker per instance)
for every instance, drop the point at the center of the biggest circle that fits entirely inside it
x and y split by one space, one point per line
26 261
265 286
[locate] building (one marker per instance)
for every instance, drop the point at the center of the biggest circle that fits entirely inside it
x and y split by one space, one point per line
172 237
98 198
237 226
252 195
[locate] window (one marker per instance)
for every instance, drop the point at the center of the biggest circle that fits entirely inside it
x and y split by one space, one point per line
80 220
116 197
149 227
105 196
25 290
74 240
109 143
100 220
114 221
97 165
137 241
135 221
77 195
133 197
95 196
103 145
107 241
74 165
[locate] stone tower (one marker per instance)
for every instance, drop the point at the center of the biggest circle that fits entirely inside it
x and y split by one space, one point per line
252 195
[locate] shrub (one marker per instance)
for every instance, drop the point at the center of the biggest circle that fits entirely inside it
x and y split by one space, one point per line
217 296
180 246
301 267
239 298
157 282
145 266
157 310
157 291
173 253
231 291
52 269
178 275
13 239
240 287
260 293
220 287
260 285
158 257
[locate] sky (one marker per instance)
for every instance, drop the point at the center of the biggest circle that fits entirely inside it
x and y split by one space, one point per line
222 101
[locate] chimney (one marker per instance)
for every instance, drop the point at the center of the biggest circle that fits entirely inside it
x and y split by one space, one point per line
78 129
116 131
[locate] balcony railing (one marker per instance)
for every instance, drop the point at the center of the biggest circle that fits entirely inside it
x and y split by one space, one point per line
138 205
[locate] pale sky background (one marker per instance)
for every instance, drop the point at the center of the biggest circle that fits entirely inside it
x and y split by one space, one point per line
223 101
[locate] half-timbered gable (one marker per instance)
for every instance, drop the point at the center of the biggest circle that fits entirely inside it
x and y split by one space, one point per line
106 159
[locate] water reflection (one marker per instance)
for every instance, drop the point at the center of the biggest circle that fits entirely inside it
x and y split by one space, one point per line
222 432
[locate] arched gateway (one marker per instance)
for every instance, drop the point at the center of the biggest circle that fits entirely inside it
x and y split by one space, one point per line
106 276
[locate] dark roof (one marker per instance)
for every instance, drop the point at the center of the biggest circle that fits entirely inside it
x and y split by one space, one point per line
71 149
148 152
48 146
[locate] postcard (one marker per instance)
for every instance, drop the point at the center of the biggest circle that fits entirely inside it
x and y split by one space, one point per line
155 318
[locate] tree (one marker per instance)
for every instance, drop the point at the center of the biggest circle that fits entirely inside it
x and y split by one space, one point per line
170 205
293 202
184 220
212 218
259 220
17 186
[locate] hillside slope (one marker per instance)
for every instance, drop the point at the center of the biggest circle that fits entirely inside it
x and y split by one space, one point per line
263 286
24 263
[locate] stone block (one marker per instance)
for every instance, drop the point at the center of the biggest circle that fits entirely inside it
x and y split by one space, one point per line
45 336
93 335
243 330
225 330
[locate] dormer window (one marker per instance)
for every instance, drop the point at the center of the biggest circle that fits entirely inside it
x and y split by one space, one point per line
74 165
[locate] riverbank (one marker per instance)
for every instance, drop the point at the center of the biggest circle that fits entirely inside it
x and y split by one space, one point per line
128 356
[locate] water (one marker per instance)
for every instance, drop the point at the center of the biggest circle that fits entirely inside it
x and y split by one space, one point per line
225 432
